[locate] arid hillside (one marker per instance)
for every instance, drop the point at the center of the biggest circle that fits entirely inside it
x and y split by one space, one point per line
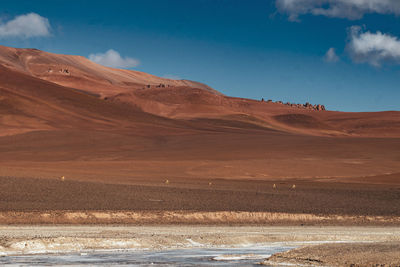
66 116
40 76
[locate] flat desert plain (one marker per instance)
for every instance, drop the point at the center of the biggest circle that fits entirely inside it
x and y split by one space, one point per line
259 172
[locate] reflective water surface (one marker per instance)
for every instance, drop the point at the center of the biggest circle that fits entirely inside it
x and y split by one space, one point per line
243 256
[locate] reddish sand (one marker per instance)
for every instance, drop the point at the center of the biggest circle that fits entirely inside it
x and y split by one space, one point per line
67 116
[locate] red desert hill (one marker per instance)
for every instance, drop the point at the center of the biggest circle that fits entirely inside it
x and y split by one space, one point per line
41 90
65 115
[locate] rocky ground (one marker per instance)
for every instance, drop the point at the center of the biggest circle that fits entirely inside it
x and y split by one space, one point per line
216 201
341 254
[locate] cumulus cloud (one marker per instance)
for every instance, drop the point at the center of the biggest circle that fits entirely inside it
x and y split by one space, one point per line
113 59
25 26
373 48
331 56
350 9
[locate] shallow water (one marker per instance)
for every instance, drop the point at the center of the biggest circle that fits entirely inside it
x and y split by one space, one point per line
243 256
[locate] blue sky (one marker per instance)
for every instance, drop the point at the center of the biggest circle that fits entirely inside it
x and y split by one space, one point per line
248 48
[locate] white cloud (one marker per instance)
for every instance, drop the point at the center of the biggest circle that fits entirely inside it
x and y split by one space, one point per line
113 59
331 56
25 26
350 9
373 48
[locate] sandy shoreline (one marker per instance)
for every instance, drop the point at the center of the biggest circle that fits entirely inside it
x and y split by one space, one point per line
62 238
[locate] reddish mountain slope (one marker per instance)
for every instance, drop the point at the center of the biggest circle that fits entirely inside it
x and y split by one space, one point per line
80 73
174 99
181 103
28 103
107 126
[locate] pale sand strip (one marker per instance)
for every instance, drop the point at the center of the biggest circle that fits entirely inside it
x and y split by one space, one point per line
188 217
68 238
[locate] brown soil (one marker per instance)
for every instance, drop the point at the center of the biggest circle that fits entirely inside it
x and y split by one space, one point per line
182 201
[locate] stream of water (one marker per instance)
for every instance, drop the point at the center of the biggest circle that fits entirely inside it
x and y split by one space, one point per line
243 256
